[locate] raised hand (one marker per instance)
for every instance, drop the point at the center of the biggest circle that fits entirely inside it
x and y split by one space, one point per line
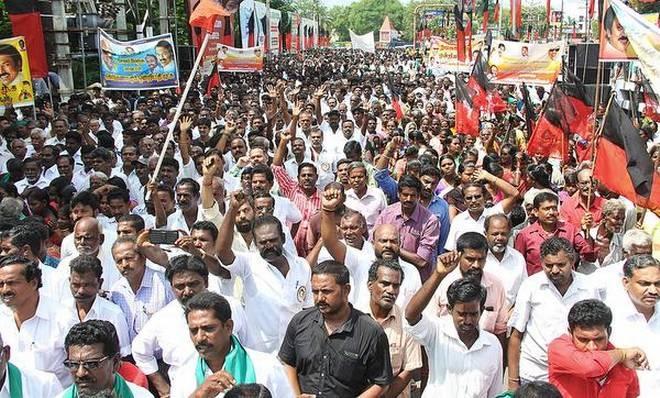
237 198
447 262
332 199
210 166
320 91
185 123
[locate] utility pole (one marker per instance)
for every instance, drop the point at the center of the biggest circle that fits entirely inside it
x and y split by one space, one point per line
163 17
62 49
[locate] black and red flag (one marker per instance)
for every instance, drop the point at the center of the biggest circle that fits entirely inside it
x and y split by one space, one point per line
467 114
485 97
530 115
460 33
26 21
651 101
485 13
496 11
620 148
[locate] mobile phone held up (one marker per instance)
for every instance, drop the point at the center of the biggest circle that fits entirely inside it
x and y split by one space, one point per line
163 237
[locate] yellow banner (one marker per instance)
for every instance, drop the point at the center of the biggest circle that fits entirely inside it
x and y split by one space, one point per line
515 62
15 80
232 59
444 53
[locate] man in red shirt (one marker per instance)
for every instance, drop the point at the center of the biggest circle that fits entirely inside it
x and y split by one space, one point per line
574 209
528 241
583 364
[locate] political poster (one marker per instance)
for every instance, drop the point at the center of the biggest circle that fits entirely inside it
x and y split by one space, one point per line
231 59
515 62
443 54
275 17
141 64
614 42
15 81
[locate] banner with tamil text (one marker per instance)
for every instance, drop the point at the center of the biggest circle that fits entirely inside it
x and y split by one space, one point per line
532 63
142 64
231 59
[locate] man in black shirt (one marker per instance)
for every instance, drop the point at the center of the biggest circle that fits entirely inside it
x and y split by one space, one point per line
332 349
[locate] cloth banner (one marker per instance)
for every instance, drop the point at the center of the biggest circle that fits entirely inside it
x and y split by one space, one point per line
295 37
142 64
15 80
275 17
260 21
246 12
231 59
515 62
217 39
29 26
363 42
442 54
643 38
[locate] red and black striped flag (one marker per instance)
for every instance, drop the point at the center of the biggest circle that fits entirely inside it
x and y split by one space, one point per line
485 13
620 148
467 114
650 100
460 33
485 97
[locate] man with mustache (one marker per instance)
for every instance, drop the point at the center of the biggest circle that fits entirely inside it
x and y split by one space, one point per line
386 245
464 361
540 313
618 45
222 361
162 340
85 284
503 261
385 281
349 356
574 209
636 313
141 291
471 249
188 211
88 239
93 360
11 65
276 284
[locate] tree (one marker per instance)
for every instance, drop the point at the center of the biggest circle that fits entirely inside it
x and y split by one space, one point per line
367 15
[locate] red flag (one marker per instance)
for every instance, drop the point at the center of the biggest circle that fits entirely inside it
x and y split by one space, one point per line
548 10
467 115
485 14
484 97
206 12
460 34
26 21
591 8
397 108
651 101
496 11
548 140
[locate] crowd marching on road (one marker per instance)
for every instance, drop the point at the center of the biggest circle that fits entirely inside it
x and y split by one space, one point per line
321 229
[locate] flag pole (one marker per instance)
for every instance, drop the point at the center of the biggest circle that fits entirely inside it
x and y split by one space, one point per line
594 152
179 108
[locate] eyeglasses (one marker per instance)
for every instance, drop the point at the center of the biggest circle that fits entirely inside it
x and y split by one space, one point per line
89 365
475 197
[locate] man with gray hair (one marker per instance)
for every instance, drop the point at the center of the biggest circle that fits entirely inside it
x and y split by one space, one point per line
369 201
606 279
636 316
607 236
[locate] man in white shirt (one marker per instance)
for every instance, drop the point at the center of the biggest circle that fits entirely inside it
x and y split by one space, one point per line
85 284
276 284
636 317
32 383
33 176
370 201
93 360
472 220
86 204
32 325
386 246
164 335
541 310
47 157
262 180
222 361
503 261
188 211
464 361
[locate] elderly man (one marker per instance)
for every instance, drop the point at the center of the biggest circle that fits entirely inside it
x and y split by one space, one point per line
142 290
93 359
24 381
574 209
161 337
88 240
32 325
222 361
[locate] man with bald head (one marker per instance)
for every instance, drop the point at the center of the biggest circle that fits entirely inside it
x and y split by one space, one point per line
386 246
574 209
88 239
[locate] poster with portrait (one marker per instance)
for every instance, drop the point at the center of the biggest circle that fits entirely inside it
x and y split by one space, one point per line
532 63
443 54
142 64
614 43
231 59
15 81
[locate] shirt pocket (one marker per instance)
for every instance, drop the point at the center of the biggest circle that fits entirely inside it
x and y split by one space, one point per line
348 370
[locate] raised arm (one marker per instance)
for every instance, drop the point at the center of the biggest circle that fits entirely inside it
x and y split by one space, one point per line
318 94
226 232
511 194
331 201
225 137
184 139
159 210
209 170
280 153
445 264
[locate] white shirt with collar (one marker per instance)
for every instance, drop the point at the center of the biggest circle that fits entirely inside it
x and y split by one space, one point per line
370 205
166 336
39 343
291 166
286 211
608 280
272 299
137 391
50 173
34 384
23 184
110 272
105 310
463 222
454 369
541 314
511 271
267 369
631 329
359 262
55 141
177 220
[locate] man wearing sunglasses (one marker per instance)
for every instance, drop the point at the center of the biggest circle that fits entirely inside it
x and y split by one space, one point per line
93 359
16 382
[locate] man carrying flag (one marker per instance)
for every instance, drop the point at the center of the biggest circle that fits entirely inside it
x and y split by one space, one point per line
222 362
620 148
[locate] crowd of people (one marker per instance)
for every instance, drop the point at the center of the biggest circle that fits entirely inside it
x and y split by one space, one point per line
318 229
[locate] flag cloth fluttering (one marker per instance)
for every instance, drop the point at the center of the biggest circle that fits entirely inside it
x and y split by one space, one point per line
467 114
485 14
485 98
651 101
206 12
460 33
621 148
